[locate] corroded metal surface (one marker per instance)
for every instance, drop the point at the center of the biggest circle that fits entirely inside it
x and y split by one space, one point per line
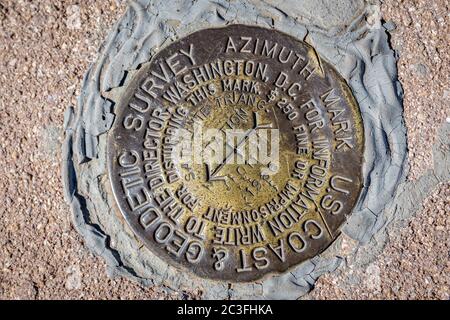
236 152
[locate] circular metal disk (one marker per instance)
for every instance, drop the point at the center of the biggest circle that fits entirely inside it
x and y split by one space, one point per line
236 152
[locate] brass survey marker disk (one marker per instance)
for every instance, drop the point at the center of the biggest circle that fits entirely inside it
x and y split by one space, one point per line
236 152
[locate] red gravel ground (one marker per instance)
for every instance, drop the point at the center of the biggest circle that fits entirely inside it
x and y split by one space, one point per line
44 52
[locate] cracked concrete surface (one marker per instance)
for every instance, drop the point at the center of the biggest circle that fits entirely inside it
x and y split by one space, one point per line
45 258
357 48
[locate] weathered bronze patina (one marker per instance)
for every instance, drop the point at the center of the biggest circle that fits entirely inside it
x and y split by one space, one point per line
185 154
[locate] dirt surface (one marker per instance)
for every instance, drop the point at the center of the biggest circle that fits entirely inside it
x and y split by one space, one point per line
45 49
422 39
414 265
